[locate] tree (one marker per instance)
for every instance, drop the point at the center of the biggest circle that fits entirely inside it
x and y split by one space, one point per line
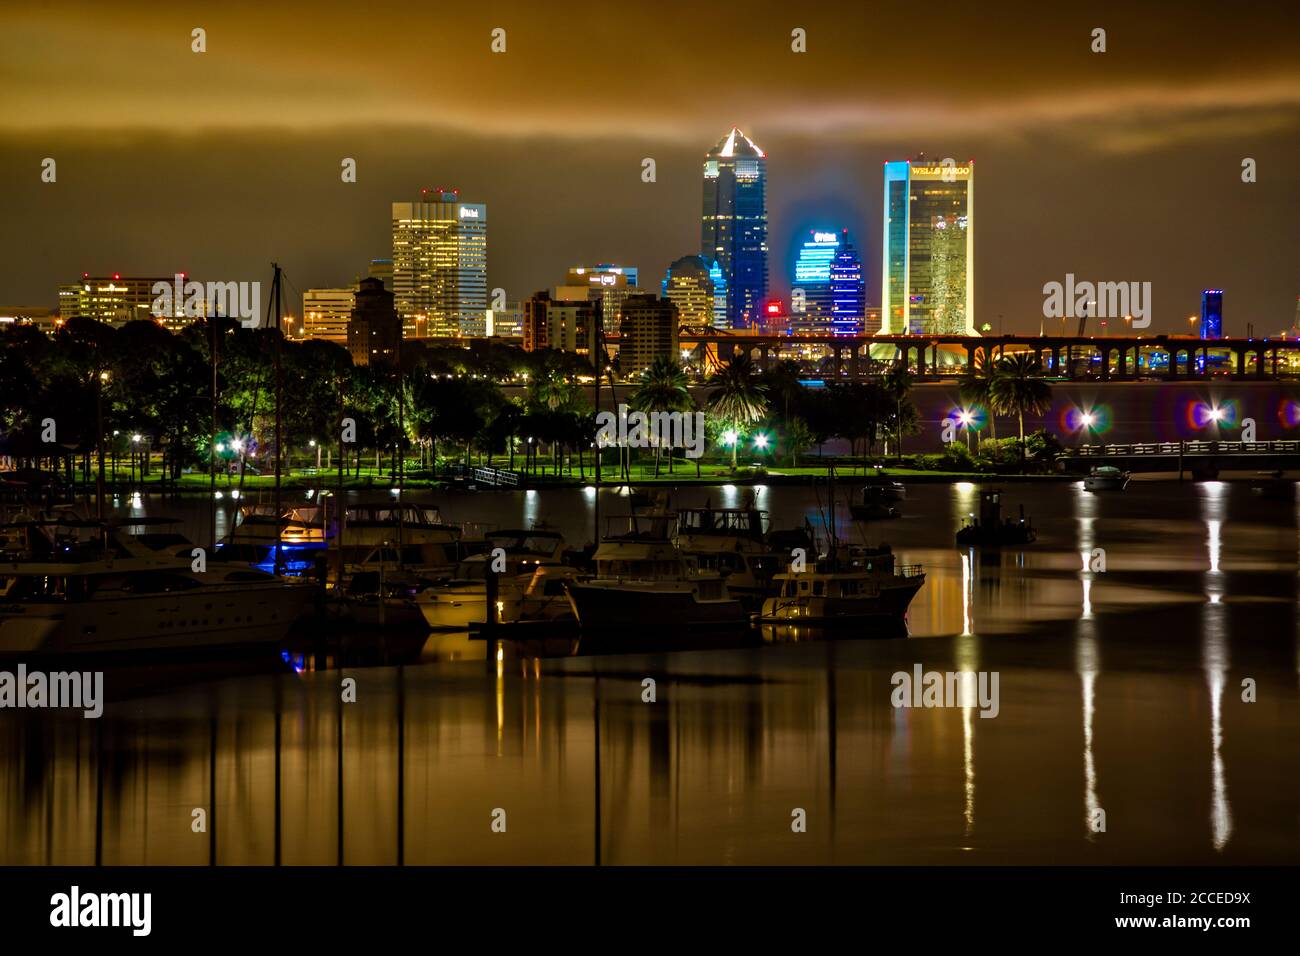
1017 388
662 388
898 385
739 398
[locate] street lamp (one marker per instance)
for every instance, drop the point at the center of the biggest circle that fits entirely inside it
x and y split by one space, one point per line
965 417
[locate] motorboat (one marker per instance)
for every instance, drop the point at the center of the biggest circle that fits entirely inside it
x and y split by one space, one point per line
71 585
1106 478
874 504
525 564
732 542
643 583
853 585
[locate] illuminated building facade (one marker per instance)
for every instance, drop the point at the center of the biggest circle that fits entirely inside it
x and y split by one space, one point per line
734 224
690 285
118 299
553 323
440 265
507 323
610 284
375 329
811 298
327 312
928 275
649 330
1212 314
848 291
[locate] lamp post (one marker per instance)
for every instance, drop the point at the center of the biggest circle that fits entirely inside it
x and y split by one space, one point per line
99 443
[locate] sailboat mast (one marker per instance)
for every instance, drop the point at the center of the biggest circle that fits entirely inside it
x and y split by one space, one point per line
279 432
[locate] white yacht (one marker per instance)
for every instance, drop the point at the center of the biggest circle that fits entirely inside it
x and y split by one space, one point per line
73 586
400 537
643 583
534 572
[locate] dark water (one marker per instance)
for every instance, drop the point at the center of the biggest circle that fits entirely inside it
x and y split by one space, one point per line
1120 691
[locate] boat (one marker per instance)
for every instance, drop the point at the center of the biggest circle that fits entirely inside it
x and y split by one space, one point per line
520 590
1106 478
400 538
643 583
852 586
301 531
874 505
79 586
1272 486
991 530
886 488
732 542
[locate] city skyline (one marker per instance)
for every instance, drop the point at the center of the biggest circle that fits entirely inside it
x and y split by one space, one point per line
1133 132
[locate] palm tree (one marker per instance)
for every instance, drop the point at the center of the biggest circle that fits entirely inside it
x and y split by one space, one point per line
975 392
1017 387
739 398
662 389
898 383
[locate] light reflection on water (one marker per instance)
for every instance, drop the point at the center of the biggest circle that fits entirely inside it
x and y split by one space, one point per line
1198 592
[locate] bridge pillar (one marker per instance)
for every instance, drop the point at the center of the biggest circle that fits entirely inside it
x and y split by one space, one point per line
1240 355
920 361
1056 360
970 359
854 370
839 362
764 357
1105 362
1259 363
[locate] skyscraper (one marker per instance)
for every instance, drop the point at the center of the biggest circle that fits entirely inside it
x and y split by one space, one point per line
734 223
689 285
1212 314
440 265
811 299
848 292
928 274
649 330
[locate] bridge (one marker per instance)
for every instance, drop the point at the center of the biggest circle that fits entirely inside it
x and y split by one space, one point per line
1121 357
1184 455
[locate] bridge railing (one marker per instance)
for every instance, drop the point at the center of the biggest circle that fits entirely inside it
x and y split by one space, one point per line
1215 447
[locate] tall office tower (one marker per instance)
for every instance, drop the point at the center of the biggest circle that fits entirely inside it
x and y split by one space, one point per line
440 265
375 329
928 280
326 313
649 330
811 298
871 321
1212 314
688 285
610 284
734 224
848 292
118 299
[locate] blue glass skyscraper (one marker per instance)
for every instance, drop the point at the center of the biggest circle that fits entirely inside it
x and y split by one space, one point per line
734 224
1212 314
848 293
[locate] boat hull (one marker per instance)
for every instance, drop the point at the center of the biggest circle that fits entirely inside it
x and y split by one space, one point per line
239 616
649 608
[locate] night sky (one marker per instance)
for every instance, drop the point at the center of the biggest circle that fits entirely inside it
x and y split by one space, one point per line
1117 166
